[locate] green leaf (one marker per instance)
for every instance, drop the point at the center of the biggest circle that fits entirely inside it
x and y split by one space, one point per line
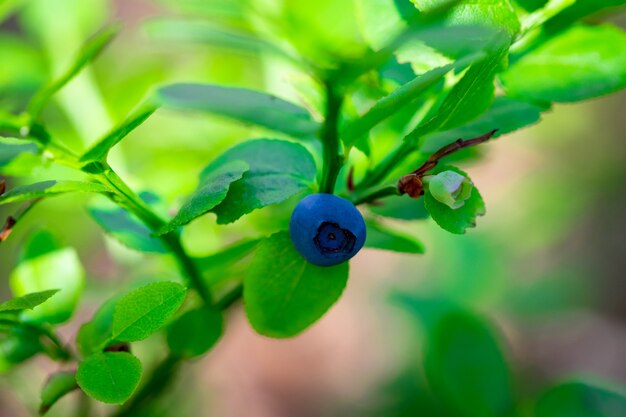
10 149
88 53
195 332
278 170
401 208
466 368
49 188
582 63
97 333
549 10
126 228
55 388
18 344
580 9
247 106
578 399
210 193
383 237
145 310
506 115
212 35
499 14
110 377
397 100
455 220
58 269
468 99
99 150
283 293
28 301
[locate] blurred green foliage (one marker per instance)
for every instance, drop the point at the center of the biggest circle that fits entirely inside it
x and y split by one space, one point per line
455 77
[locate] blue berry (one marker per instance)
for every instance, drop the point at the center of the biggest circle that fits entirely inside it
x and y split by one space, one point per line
326 229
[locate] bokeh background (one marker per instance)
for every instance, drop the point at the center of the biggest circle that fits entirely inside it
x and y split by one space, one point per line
546 265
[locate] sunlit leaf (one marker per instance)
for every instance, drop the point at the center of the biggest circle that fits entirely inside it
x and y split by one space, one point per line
581 63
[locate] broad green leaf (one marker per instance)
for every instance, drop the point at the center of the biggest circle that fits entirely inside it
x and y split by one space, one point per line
579 399
210 193
383 237
99 150
466 368
28 301
468 99
581 63
97 333
126 228
110 377
506 114
88 53
18 344
283 293
278 170
195 332
58 269
455 220
49 188
55 388
247 106
145 310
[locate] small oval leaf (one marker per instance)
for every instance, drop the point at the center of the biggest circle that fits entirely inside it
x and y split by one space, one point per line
283 293
145 310
110 377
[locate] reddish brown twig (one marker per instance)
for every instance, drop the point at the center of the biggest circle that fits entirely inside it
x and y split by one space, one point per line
412 183
3 186
11 221
350 182
7 228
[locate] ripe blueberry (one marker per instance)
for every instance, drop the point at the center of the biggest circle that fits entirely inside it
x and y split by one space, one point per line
326 229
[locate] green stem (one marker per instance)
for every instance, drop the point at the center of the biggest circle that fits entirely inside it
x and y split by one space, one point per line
380 172
374 194
123 195
333 160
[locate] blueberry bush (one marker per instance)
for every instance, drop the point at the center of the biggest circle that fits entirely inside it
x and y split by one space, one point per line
393 95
